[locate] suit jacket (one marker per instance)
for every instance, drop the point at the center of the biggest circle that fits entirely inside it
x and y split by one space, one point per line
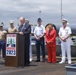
51 37
26 29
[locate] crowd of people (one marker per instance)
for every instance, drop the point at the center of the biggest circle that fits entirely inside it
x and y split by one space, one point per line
41 35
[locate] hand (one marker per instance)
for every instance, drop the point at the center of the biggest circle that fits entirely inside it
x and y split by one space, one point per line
48 42
21 33
17 32
64 40
38 38
30 34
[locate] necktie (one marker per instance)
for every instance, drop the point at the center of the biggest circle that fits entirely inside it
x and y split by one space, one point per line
22 27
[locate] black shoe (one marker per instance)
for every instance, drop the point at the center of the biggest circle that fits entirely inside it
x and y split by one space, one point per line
27 64
37 61
43 60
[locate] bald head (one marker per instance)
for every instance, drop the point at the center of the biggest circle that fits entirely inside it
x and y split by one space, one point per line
22 20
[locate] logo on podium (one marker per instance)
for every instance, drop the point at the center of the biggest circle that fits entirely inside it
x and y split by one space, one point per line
11 45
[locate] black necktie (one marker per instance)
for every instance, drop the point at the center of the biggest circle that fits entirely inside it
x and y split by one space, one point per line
22 25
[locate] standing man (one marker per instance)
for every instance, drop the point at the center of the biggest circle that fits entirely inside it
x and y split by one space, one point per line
39 33
2 40
64 35
25 30
12 28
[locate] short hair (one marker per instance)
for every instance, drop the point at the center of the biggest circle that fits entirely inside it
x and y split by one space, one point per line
22 18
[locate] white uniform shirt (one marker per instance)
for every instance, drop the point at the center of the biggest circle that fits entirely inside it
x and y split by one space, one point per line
63 32
39 30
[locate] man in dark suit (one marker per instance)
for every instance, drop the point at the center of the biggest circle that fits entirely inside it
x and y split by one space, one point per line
25 30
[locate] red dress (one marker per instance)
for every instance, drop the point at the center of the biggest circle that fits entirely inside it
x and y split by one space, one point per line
51 47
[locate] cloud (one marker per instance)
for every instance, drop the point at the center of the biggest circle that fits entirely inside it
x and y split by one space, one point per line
50 10
28 5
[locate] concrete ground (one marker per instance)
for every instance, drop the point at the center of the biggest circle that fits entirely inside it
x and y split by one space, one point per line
35 68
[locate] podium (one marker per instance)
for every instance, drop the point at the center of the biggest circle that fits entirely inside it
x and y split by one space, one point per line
15 50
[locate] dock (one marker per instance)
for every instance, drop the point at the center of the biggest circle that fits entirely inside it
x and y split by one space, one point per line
35 68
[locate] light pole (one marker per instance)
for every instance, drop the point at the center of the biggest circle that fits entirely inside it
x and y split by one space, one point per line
61 10
40 13
18 20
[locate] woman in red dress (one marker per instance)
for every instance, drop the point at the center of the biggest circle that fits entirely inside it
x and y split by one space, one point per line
51 43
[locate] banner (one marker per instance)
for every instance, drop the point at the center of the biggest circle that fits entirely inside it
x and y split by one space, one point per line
11 45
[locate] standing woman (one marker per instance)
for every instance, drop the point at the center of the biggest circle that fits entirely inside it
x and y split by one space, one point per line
51 43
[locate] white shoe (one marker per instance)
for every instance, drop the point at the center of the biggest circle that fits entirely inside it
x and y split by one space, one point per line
62 62
69 62
30 60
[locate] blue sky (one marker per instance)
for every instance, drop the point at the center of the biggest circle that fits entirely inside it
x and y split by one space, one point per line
50 11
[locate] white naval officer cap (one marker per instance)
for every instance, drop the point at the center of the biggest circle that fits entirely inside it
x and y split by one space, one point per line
11 21
65 20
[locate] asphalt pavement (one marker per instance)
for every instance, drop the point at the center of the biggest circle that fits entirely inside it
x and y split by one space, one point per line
35 68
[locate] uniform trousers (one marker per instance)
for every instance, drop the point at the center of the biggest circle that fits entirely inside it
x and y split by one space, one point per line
41 44
2 46
65 47
51 54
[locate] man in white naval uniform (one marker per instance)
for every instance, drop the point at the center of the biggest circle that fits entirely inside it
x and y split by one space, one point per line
64 35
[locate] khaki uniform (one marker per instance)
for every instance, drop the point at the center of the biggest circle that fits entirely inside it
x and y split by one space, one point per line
2 35
12 30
